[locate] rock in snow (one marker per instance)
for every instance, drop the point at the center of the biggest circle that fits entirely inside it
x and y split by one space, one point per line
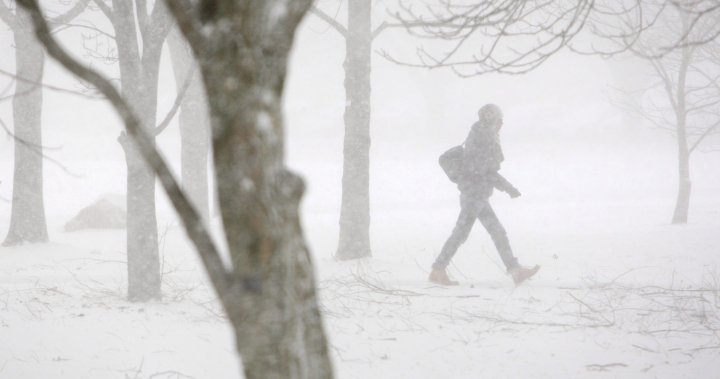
106 213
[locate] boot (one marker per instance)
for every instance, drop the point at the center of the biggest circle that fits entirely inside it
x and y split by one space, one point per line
440 276
520 274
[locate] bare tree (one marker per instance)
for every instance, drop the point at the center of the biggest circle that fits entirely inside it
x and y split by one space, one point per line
687 78
269 292
27 219
354 240
514 37
140 34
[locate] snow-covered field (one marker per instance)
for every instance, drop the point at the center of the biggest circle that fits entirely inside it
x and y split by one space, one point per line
632 299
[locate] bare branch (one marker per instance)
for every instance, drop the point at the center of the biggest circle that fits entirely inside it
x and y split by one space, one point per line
667 82
703 136
498 24
160 24
37 84
178 101
81 26
142 18
106 10
69 15
330 21
8 17
37 149
515 36
7 88
384 26
191 27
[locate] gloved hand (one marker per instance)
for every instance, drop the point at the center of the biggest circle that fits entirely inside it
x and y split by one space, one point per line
513 192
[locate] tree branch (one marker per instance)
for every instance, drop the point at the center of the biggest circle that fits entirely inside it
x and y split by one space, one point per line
69 15
36 84
142 18
330 21
160 23
192 222
8 17
706 133
107 11
93 28
38 150
384 26
191 28
178 100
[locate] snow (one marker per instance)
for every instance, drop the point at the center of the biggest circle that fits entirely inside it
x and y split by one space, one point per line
621 293
627 301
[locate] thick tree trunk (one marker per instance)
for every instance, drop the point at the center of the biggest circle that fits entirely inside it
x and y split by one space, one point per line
278 329
139 71
243 52
354 241
194 125
27 220
142 236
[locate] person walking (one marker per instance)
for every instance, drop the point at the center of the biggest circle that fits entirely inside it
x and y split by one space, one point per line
477 178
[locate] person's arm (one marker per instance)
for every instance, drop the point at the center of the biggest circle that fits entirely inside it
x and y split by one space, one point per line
498 181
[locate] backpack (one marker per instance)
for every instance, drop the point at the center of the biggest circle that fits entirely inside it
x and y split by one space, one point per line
451 162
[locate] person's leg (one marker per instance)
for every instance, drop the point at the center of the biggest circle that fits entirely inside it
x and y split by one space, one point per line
460 233
497 232
491 223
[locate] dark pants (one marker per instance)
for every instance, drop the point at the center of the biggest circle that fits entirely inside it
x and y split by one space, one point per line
472 207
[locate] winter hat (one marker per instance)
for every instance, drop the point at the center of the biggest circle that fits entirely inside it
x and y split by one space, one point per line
490 114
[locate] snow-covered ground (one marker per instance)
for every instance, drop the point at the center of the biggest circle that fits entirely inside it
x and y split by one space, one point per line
632 299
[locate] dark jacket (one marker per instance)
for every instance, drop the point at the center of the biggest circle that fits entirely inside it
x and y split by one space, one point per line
481 161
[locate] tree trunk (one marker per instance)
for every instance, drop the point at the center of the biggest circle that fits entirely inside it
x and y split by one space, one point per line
139 38
194 125
278 330
27 220
354 241
682 204
243 53
143 256
142 237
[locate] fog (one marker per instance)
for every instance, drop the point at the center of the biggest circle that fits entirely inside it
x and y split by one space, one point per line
621 290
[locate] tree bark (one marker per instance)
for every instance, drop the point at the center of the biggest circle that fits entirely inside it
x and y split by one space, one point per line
194 125
139 67
142 236
354 240
27 220
242 49
275 316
